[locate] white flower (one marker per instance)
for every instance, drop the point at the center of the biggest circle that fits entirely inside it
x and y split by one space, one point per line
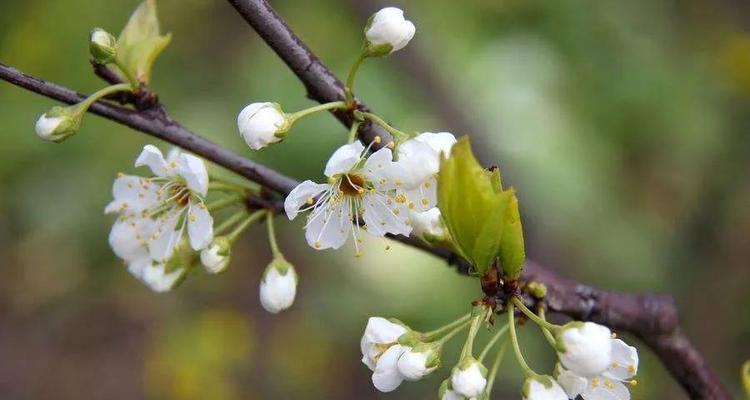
261 124
447 393
469 378
588 347
610 384
278 287
215 257
379 335
361 190
386 377
419 361
428 223
102 45
57 124
389 29
173 200
543 388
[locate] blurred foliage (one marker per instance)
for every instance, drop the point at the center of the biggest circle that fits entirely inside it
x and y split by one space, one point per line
622 126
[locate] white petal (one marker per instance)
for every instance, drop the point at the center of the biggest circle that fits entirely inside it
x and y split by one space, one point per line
200 226
193 170
380 218
128 237
167 236
428 222
381 171
388 26
258 124
159 280
571 383
132 194
423 197
138 267
302 194
173 155
277 291
624 361
588 348
606 390
386 377
328 226
380 330
419 162
152 157
344 159
441 142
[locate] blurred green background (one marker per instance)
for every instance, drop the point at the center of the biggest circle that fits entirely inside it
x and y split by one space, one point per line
623 126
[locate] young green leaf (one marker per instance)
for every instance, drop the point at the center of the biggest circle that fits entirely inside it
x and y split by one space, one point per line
140 43
512 252
472 205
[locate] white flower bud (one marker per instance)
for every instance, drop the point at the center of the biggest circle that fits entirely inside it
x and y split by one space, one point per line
388 31
278 286
446 393
102 45
419 361
57 124
469 378
428 224
587 347
262 124
215 257
542 388
379 335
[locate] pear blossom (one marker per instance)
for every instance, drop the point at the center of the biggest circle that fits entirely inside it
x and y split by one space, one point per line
388 31
360 190
469 378
386 377
611 384
419 361
278 287
261 124
172 200
542 388
380 334
215 257
587 347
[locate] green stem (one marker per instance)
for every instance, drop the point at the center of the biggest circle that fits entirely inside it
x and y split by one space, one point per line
353 131
349 88
492 342
222 203
393 131
514 340
215 177
443 340
120 87
226 187
244 224
434 334
312 110
473 330
547 334
495 368
134 83
229 222
272 236
539 321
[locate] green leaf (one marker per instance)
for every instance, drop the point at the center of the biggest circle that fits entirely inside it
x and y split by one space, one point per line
512 251
140 42
472 205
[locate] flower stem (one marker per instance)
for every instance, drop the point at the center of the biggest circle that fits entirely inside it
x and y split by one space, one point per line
492 342
477 317
120 87
434 334
224 202
229 222
539 321
349 88
244 224
393 131
547 334
312 110
514 340
443 340
353 131
272 236
226 187
495 367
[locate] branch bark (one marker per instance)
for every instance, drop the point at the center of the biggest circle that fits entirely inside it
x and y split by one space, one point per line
651 317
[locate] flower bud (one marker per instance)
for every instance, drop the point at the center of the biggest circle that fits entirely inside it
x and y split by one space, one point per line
102 45
262 124
542 387
58 124
428 224
278 286
388 31
215 257
447 393
379 335
587 347
419 361
469 378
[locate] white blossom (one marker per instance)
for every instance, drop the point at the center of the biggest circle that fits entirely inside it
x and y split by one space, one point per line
389 28
418 361
261 124
360 194
611 384
386 377
428 223
587 347
379 335
542 388
57 124
215 257
469 378
278 287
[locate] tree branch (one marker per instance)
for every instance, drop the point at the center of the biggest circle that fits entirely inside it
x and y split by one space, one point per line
650 317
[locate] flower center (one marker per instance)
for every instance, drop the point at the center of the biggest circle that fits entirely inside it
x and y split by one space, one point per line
352 184
180 193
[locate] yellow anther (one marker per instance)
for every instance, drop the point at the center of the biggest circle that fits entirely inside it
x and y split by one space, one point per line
401 199
427 185
609 384
389 201
615 364
411 205
595 382
633 382
309 200
614 335
391 144
120 174
631 369
358 254
172 164
396 211
317 245
425 201
376 140
397 182
193 218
